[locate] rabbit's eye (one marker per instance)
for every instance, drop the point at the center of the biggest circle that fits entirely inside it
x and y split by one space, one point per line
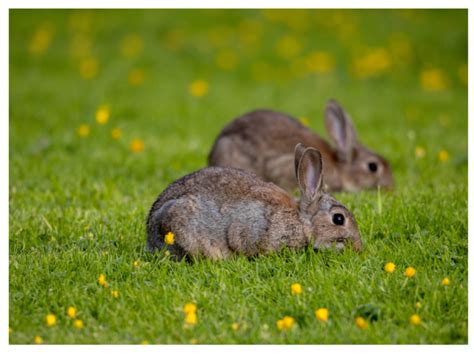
373 167
338 219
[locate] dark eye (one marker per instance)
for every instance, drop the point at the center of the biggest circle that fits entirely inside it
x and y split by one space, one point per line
373 167
338 219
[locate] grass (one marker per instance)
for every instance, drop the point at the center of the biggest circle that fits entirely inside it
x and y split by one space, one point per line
78 205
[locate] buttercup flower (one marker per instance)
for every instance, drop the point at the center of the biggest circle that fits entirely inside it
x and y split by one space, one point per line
415 319
410 271
136 263
361 323
389 267
71 312
198 88
296 289
169 238
50 319
190 318
445 282
78 324
102 114
285 323
322 314
83 130
101 280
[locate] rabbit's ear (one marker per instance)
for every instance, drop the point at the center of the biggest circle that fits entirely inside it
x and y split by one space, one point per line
310 174
299 150
341 130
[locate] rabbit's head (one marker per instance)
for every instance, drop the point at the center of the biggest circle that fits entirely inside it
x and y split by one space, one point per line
331 224
359 167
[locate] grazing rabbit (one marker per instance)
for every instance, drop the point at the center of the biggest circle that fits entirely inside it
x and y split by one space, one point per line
262 141
218 211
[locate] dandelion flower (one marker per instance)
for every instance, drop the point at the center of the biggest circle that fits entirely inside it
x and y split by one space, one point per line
420 152
136 263
137 145
443 155
144 342
389 267
190 308
296 289
101 280
322 314
194 341
38 340
83 130
415 319
320 62
433 80
361 323
304 121
190 318
285 323
71 312
198 88
445 282
235 326
169 238
116 133
114 293
410 271
50 319
41 40
102 114
78 324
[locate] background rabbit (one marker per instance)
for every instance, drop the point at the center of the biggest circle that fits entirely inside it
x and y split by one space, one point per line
218 211
262 141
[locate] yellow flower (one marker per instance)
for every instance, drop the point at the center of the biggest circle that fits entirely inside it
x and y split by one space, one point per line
320 62
71 312
136 263
389 267
116 133
322 314
418 305
137 145
433 80
304 121
41 40
190 318
114 293
410 271
78 324
101 280
144 342
361 323
420 152
38 340
415 319
285 323
131 46
102 114
227 59
374 62
169 238
190 308
445 282
50 319
443 155
198 88
88 68
194 341
136 77
84 130
296 289
235 326
288 47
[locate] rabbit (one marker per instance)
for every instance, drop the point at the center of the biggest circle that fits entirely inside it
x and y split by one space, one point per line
262 141
217 212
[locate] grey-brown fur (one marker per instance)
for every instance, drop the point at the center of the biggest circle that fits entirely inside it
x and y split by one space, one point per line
262 141
219 211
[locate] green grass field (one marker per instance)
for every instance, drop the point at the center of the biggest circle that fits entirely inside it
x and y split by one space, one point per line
83 176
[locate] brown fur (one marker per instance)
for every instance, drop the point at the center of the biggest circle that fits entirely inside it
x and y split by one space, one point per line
262 141
218 211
